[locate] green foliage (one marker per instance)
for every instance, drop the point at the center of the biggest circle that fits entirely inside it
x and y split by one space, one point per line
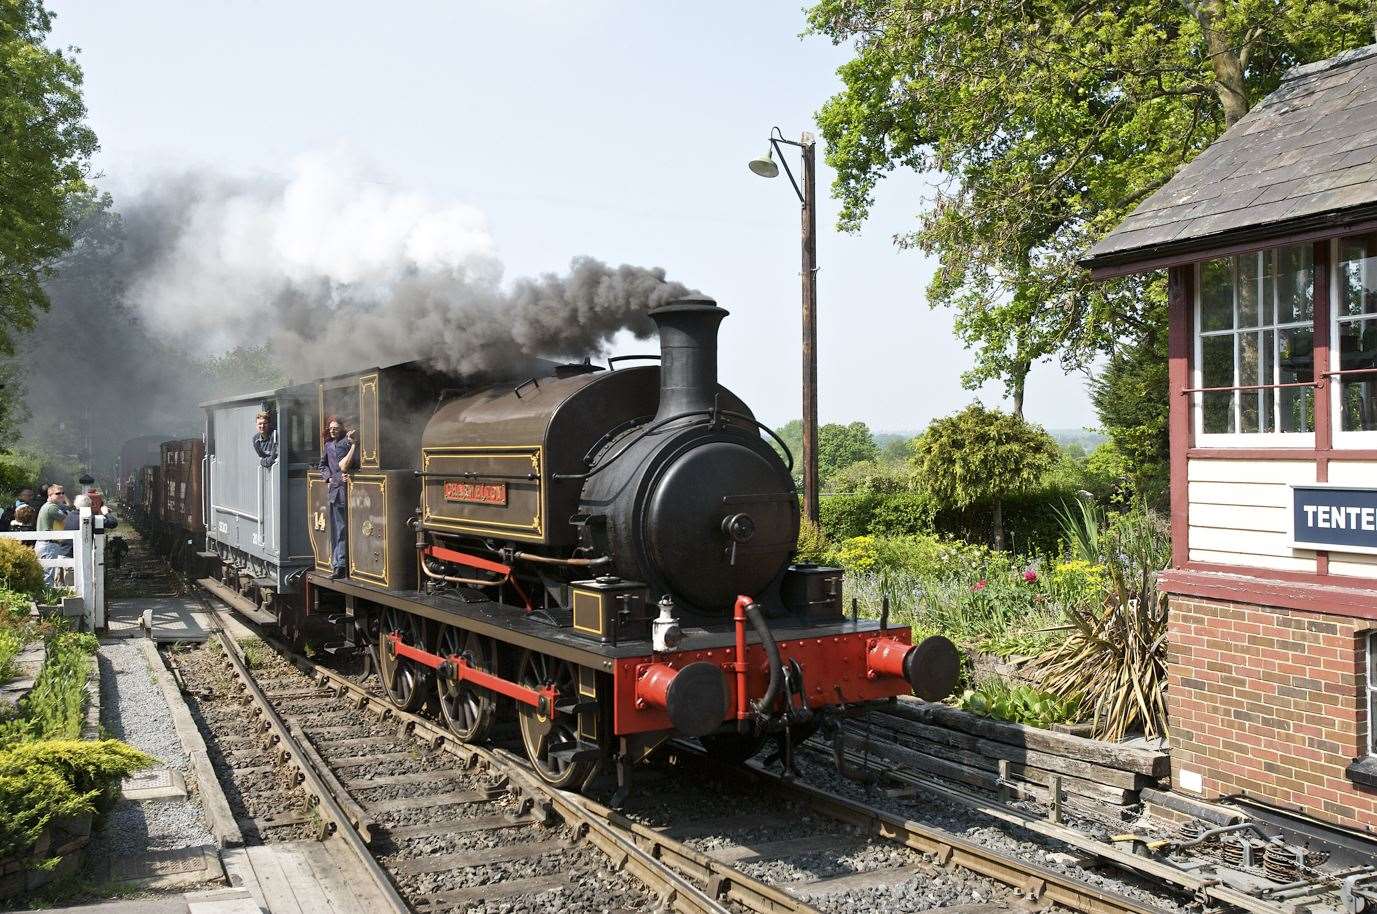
1020 704
812 545
55 707
1049 122
874 477
981 456
839 446
50 779
11 643
44 150
17 470
973 595
1115 657
1130 397
20 570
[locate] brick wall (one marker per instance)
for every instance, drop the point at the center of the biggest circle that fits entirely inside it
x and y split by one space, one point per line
1269 702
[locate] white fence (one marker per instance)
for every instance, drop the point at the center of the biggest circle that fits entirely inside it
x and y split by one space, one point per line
87 563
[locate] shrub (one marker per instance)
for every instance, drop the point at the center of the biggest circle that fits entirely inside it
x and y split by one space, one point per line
1115 658
845 516
42 781
1018 704
54 709
11 642
902 515
812 545
19 568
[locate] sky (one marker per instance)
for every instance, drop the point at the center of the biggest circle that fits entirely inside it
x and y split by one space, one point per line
613 129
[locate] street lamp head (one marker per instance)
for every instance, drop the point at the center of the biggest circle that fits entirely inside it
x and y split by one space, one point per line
765 165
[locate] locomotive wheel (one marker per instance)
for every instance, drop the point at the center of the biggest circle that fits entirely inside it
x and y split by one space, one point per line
546 738
403 681
468 711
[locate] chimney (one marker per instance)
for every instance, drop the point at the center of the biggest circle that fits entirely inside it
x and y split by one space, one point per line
688 354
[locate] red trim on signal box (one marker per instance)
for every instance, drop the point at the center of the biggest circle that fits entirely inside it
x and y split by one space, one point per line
1180 409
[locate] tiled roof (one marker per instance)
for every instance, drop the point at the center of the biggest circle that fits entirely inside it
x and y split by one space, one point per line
1307 149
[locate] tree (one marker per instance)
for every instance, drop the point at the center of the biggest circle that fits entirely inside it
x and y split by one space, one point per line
45 147
982 456
839 446
1049 121
1131 398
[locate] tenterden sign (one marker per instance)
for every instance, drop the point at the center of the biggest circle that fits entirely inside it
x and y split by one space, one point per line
1336 518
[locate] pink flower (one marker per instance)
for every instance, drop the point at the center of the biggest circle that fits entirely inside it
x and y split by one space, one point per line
1030 575
981 585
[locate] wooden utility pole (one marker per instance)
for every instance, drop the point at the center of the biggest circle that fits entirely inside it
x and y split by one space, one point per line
810 330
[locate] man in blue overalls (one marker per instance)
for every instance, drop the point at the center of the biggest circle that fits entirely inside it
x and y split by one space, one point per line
336 457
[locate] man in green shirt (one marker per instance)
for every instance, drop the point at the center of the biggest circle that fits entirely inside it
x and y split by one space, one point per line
50 517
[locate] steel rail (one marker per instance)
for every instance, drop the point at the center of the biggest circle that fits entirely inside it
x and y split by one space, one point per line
676 892
1182 881
312 782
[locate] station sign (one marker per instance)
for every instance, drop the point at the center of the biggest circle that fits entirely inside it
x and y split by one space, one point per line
1334 517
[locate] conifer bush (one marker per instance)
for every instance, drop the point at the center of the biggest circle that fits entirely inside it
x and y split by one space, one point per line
19 568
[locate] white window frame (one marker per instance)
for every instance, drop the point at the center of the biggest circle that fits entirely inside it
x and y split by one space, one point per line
1342 439
1298 440
1372 693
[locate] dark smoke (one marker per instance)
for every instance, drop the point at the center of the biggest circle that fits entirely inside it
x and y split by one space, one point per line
313 274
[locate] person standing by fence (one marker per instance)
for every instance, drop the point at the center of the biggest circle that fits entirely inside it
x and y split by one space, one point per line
51 517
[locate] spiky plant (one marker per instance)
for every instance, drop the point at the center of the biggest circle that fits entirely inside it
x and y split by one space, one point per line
1115 658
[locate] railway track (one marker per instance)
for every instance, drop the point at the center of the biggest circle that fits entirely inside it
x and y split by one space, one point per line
446 825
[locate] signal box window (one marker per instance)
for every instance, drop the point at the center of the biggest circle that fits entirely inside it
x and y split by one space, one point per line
1355 335
1255 347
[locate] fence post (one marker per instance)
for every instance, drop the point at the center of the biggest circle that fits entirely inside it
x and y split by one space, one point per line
81 576
97 611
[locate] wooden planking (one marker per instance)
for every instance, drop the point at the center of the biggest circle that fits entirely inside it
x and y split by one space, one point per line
1125 758
1256 518
1275 495
1263 471
1301 561
1353 472
306 883
1353 565
1245 542
277 888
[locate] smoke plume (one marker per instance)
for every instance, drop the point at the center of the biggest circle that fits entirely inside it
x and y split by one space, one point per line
324 266
332 269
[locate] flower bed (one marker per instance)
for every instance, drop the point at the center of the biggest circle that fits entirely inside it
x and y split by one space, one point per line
53 784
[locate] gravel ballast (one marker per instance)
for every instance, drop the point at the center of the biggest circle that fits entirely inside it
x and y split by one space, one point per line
133 709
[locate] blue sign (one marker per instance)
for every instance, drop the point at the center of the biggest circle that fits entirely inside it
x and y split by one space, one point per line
1337 518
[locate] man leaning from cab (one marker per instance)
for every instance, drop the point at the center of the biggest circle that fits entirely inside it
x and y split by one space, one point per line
336 458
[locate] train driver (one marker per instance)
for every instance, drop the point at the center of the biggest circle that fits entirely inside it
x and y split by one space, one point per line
335 460
265 440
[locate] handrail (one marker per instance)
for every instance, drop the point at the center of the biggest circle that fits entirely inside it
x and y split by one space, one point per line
1210 390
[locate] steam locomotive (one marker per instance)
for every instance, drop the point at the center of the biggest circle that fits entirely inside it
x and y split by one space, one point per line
604 554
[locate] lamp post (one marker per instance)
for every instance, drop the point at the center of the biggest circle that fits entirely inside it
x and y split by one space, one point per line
807 195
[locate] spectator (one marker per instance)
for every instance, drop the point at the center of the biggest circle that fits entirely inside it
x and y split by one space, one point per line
265 440
50 518
24 497
25 517
87 483
96 502
335 460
